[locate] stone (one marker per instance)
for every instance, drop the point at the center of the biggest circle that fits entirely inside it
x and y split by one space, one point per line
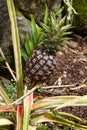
72 44
5 31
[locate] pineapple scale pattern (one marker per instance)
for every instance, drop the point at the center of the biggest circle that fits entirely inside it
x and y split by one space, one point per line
41 65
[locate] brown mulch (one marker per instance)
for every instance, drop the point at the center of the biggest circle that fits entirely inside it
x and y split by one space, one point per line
71 72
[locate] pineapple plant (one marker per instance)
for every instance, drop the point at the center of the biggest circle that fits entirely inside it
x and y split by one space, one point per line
50 37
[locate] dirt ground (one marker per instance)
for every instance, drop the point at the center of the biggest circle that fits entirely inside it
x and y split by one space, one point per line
71 73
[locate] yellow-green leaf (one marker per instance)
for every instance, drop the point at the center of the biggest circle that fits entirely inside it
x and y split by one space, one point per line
46 15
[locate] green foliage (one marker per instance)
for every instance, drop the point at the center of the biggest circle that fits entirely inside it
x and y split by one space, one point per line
46 15
55 32
25 52
35 36
11 90
2 59
81 8
41 110
31 42
56 26
53 29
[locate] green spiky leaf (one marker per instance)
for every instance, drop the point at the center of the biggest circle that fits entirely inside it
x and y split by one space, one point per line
53 29
53 19
24 54
46 28
65 28
59 11
46 15
61 22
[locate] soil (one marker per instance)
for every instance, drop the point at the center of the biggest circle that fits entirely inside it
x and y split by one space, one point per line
71 74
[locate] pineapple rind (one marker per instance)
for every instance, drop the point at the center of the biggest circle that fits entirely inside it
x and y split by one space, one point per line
41 65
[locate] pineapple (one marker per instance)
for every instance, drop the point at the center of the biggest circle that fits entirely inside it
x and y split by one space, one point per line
43 61
41 65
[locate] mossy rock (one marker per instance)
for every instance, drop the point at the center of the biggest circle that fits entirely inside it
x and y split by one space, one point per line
80 20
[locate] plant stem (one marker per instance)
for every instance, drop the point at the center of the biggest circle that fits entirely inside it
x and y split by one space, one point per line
16 47
8 66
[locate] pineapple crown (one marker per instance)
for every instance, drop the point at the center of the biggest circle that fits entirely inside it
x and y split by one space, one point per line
55 31
51 35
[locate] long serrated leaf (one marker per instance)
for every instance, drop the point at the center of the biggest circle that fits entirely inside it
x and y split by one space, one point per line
50 117
28 102
65 28
64 40
52 102
60 101
46 15
31 47
70 116
45 27
24 54
53 19
59 11
19 116
61 22
65 33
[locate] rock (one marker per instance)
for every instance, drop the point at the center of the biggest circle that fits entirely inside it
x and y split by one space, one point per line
73 44
37 7
27 7
81 72
4 82
5 31
77 38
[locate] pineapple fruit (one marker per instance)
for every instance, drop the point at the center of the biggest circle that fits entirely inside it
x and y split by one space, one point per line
43 61
41 65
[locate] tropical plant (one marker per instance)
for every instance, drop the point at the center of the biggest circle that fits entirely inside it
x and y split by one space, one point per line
25 113
53 36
